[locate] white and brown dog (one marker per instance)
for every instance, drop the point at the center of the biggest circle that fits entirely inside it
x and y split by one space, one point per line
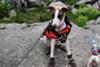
94 61
58 30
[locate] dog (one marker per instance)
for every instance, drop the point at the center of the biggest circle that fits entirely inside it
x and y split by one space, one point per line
94 60
58 30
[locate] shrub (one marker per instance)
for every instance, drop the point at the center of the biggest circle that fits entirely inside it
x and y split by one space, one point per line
81 20
90 12
69 2
71 16
83 15
4 8
30 16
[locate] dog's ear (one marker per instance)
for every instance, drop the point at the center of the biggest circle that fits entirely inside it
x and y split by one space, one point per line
51 8
64 9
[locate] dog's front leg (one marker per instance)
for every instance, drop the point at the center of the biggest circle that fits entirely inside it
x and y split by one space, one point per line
52 44
44 39
67 45
69 54
52 60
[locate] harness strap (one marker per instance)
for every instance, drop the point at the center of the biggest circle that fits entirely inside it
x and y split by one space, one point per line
66 30
51 34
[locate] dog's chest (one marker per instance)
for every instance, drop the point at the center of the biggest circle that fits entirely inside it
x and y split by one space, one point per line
61 27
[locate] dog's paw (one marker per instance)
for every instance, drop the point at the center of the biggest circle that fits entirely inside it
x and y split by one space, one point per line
41 38
51 62
72 63
44 39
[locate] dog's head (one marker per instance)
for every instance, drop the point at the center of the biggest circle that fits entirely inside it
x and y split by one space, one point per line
58 10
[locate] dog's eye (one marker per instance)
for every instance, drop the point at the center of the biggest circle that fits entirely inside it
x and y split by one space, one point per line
52 15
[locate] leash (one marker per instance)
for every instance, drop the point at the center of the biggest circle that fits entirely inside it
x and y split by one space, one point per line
29 51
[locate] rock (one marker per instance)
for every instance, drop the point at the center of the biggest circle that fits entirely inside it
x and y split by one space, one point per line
12 13
91 22
15 43
98 20
96 5
95 28
14 40
88 3
82 1
73 9
16 26
2 26
13 26
36 2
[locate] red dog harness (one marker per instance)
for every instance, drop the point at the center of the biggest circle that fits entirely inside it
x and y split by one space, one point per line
50 34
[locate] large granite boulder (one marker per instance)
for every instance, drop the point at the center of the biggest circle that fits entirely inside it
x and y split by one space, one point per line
98 20
35 3
15 43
